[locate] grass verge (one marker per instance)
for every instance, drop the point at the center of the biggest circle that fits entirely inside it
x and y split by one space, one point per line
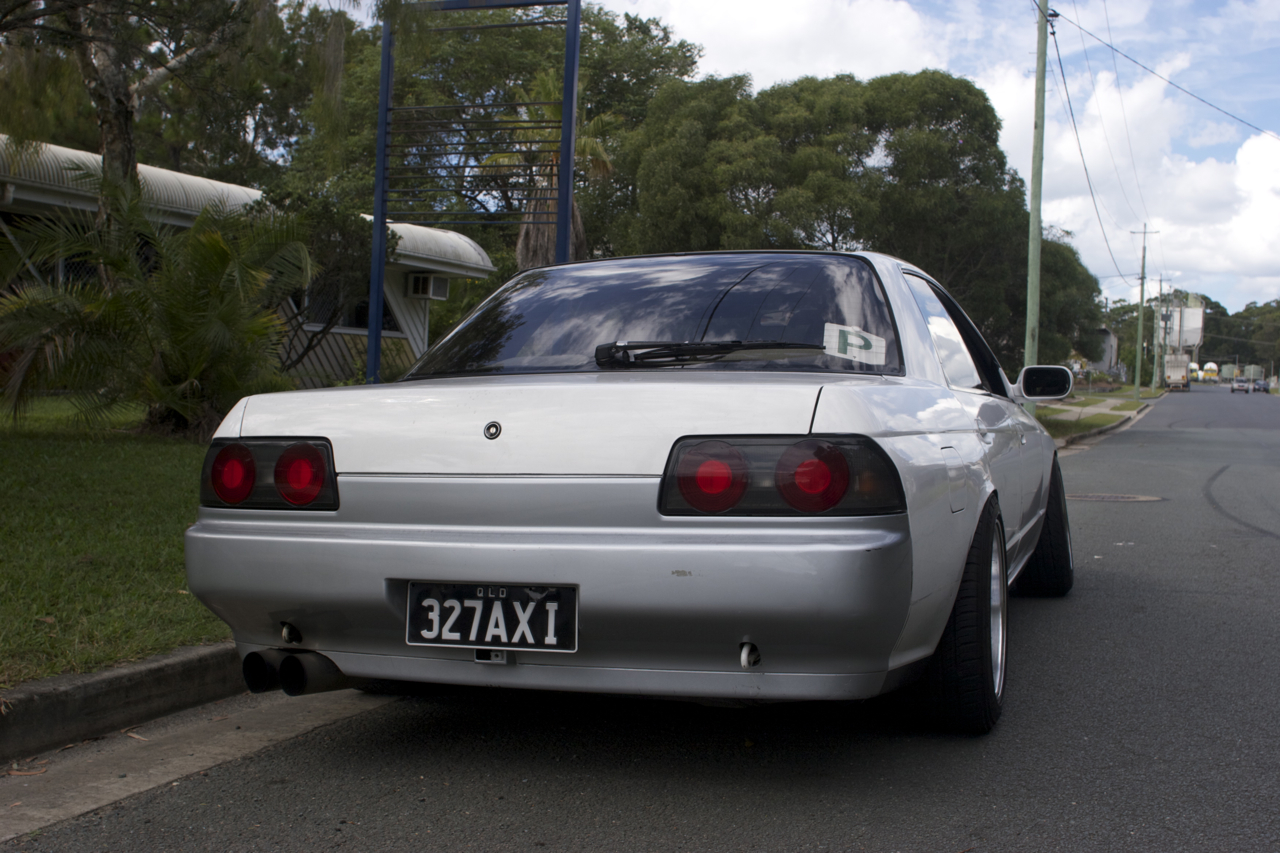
91 572
1127 391
1085 401
1062 429
1128 406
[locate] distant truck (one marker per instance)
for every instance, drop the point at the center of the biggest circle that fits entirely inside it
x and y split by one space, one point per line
1253 371
1175 371
1210 372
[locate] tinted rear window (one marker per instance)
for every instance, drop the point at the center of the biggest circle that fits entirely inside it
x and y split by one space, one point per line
551 320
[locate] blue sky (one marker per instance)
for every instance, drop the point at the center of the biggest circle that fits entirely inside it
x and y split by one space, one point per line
1208 184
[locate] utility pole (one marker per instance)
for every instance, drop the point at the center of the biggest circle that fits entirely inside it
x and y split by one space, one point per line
1162 325
1031 350
1035 230
1142 298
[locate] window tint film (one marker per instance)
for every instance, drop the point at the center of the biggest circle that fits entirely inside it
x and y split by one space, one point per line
957 363
828 311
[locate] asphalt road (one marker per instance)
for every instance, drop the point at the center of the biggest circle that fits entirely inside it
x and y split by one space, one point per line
1142 713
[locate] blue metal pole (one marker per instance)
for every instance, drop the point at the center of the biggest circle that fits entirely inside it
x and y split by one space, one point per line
378 263
568 130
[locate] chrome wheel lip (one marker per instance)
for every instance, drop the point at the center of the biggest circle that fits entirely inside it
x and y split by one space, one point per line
999 589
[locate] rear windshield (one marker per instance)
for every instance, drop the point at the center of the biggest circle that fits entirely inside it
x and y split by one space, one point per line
828 313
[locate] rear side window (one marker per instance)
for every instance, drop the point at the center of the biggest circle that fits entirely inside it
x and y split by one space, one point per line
957 363
827 313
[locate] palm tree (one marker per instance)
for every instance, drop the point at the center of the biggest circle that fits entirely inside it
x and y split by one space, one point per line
536 243
182 322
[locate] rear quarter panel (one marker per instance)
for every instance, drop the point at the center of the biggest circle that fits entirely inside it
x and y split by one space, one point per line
913 421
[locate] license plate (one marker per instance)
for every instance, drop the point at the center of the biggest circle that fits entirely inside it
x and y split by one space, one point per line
493 616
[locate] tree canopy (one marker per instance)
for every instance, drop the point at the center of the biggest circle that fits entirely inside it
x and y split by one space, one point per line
282 95
907 164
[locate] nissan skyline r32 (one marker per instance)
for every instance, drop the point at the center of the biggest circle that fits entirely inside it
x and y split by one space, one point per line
750 476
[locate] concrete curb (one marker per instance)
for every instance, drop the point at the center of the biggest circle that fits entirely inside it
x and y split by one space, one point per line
69 708
1072 439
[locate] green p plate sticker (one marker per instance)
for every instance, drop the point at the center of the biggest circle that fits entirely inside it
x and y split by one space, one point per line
852 343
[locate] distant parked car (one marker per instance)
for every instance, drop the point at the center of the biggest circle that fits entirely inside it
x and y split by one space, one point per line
1240 384
1260 385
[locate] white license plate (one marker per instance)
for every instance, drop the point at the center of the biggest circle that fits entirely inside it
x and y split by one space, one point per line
492 616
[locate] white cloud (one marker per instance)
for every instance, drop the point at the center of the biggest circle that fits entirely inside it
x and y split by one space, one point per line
776 42
1213 133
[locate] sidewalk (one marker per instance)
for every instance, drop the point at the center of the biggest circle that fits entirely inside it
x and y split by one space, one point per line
1119 407
1105 405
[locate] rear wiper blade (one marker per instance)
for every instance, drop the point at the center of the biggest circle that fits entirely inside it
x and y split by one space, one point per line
632 353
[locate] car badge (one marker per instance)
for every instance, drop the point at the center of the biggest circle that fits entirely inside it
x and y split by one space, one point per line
492 430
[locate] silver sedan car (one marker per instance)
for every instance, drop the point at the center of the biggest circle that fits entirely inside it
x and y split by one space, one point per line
752 476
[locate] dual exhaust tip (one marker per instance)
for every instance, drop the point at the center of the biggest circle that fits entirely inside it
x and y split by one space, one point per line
297 673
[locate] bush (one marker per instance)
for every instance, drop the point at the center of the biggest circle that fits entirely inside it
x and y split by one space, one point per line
183 322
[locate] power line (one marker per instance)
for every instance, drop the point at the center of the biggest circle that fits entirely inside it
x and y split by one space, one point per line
1088 180
1053 74
1102 122
1133 161
1157 74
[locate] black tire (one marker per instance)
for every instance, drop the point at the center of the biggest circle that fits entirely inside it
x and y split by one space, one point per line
1050 571
965 677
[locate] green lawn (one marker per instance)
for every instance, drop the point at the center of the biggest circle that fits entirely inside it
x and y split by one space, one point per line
1062 429
91 568
1127 391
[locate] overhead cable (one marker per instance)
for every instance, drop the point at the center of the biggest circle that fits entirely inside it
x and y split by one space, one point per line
1103 124
1157 74
1088 180
1133 161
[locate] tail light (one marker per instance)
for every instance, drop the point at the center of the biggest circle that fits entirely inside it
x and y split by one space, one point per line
233 473
812 476
300 473
270 473
844 475
712 476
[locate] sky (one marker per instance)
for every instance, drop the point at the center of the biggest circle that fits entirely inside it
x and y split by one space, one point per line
1208 184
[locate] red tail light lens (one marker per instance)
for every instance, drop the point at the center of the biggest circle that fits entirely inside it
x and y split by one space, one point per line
233 473
712 476
300 474
304 474
780 475
812 476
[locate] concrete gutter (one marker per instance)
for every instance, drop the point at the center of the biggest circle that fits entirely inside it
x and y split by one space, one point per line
1072 439
66 709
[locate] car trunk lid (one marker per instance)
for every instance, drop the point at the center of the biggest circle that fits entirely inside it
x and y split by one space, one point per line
576 424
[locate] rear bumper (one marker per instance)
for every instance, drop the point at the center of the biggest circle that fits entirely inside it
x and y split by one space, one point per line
664 603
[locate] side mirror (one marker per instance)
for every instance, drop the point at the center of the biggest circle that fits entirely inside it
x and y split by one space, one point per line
1043 382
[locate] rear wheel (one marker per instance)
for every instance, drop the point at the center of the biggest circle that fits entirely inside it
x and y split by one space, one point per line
1050 571
966 673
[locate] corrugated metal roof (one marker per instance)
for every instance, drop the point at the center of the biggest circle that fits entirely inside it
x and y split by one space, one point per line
438 250
53 176
45 176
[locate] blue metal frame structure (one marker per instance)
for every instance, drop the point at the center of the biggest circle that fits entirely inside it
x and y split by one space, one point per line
455 120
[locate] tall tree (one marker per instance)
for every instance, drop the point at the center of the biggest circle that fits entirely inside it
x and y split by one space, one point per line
125 51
